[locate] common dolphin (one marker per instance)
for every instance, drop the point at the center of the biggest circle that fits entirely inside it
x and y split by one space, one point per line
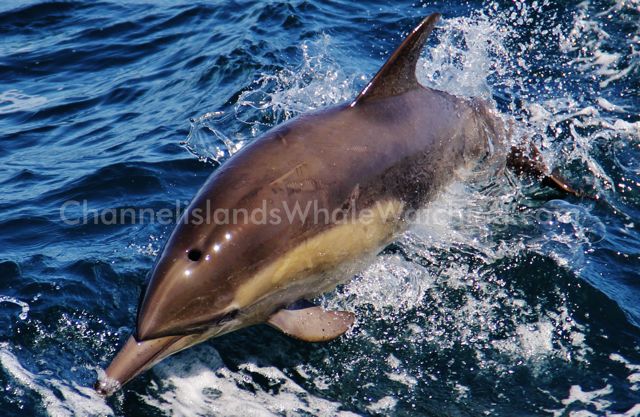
372 161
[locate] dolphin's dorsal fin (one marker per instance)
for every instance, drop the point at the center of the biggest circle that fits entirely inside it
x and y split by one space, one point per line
312 323
398 74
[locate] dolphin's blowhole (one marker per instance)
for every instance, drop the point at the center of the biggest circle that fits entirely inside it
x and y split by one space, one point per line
194 255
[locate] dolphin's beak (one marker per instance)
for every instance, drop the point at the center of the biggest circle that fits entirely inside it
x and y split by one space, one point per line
134 358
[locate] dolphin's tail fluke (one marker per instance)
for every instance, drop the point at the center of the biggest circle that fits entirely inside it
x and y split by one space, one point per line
530 163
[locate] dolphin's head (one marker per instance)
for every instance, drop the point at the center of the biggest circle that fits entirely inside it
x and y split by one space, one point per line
190 295
213 252
191 287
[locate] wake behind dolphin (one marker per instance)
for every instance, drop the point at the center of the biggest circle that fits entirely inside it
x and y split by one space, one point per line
364 167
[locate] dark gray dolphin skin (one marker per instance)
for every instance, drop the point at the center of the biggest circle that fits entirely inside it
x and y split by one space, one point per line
360 167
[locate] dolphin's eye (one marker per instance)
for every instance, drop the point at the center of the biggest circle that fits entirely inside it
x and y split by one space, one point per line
194 255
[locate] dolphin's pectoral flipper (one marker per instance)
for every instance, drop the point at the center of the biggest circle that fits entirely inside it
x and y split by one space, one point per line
530 163
311 323
398 74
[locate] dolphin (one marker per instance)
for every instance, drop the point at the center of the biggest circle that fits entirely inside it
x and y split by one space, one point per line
335 186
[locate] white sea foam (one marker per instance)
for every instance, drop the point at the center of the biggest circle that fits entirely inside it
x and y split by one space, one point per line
318 82
208 142
588 36
59 399
398 373
384 405
609 106
594 402
198 384
634 375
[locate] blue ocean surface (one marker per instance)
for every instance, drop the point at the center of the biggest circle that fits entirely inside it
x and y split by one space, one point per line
509 300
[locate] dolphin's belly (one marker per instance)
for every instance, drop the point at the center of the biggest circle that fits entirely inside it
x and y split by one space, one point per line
323 261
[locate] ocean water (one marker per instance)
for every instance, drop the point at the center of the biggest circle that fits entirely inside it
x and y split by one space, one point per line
510 301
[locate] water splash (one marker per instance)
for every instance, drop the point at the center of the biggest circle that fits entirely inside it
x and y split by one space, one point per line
317 82
151 248
23 306
470 50
271 99
206 140
589 41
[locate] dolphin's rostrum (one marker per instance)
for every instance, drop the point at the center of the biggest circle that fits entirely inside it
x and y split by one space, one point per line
360 167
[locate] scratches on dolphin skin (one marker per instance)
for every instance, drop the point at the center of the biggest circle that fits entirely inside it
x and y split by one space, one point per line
283 138
296 180
350 203
304 185
297 170
326 250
